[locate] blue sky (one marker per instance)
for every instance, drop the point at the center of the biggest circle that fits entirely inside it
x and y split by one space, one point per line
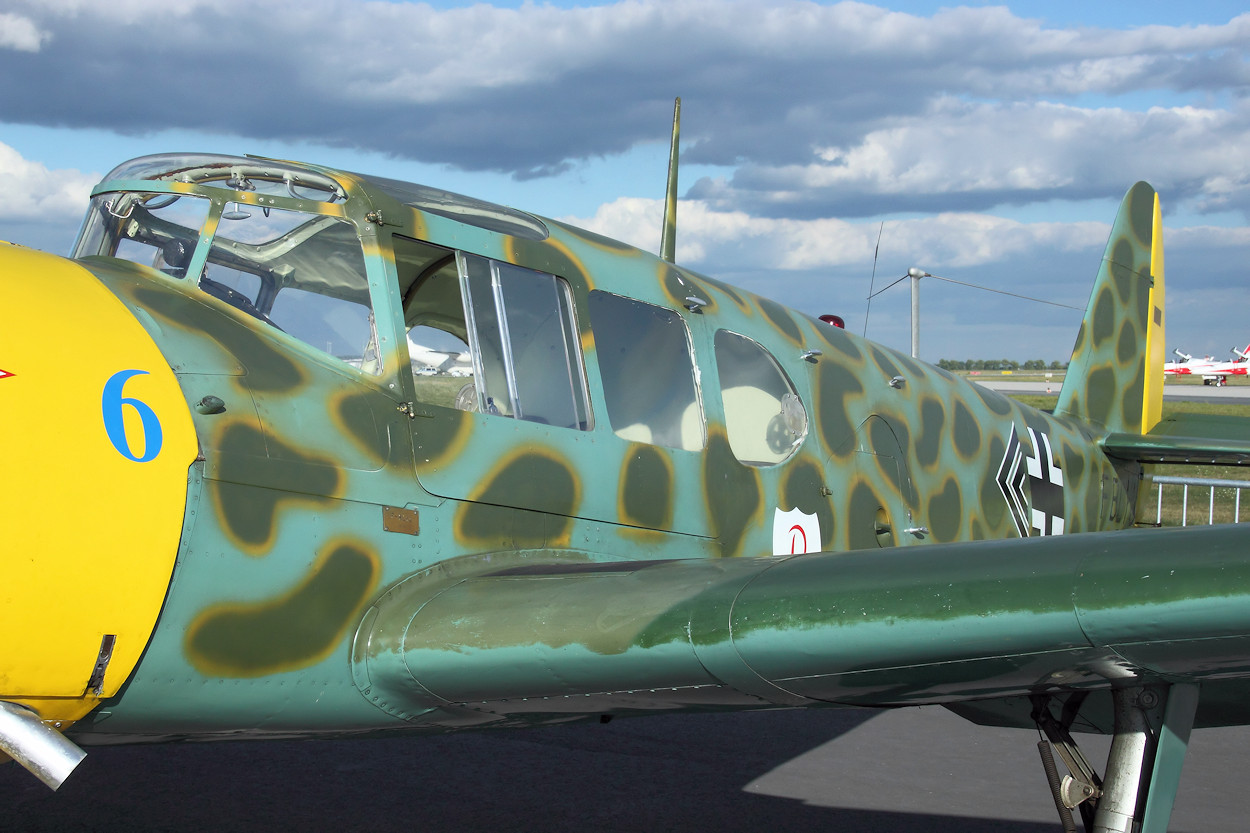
987 143
1110 14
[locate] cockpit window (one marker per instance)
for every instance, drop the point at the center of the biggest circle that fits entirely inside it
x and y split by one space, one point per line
157 230
764 417
299 272
302 273
438 340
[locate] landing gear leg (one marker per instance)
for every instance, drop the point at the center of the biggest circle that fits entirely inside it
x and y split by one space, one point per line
1152 725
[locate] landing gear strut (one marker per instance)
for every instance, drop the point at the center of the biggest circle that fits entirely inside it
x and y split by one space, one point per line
1152 725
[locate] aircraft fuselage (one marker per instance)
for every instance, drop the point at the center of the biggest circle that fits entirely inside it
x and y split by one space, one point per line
619 408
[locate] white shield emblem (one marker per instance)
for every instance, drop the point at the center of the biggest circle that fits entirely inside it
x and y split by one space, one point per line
795 532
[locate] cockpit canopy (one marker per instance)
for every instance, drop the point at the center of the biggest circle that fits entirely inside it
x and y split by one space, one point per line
276 240
267 238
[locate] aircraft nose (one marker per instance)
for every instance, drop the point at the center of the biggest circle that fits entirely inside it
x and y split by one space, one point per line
95 442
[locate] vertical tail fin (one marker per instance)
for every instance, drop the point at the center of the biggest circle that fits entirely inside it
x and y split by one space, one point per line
1115 378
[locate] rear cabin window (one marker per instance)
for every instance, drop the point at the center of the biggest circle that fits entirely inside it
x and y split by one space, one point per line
648 373
491 337
764 417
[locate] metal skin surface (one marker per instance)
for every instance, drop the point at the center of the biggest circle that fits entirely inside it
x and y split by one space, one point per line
544 574
907 626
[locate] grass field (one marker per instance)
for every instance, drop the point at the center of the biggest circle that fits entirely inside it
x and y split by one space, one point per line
440 390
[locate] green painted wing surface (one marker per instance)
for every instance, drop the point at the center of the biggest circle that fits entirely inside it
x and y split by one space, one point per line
936 624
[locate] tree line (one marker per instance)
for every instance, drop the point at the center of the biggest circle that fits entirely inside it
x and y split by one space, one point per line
999 364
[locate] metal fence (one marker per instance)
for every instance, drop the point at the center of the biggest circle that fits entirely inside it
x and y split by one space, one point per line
1219 495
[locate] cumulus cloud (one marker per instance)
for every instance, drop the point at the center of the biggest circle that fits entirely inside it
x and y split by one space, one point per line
713 240
815 120
859 99
30 191
978 155
20 33
823 265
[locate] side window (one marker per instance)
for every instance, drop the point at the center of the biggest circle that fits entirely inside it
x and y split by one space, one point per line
157 230
302 273
489 336
648 374
764 416
527 358
438 340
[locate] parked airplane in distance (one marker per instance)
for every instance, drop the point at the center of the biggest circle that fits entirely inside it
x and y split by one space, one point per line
1213 372
451 362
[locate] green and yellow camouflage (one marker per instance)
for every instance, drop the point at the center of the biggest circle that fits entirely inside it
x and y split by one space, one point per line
451 465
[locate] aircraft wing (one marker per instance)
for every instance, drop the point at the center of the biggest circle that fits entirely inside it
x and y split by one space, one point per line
912 625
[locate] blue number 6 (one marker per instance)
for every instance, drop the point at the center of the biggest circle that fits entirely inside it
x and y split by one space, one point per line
111 405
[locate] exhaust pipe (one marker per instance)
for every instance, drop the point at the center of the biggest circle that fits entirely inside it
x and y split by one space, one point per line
47 753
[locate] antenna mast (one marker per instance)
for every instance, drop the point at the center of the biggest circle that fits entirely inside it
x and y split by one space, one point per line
668 240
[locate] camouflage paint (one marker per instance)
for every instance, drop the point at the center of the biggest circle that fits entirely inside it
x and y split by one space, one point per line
250 515
647 488
283 530
354 416
299 627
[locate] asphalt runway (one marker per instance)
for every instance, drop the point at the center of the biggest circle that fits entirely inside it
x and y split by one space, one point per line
1176 393
852 771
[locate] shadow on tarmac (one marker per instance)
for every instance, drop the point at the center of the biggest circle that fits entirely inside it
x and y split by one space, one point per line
721 772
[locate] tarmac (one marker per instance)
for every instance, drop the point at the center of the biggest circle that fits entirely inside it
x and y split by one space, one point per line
853 771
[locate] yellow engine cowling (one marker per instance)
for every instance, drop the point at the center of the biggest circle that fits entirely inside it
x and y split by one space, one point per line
95 441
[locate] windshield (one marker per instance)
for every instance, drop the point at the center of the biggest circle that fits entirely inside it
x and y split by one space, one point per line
158 230
299 272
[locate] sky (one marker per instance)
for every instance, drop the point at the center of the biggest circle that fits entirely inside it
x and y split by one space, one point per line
826 147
